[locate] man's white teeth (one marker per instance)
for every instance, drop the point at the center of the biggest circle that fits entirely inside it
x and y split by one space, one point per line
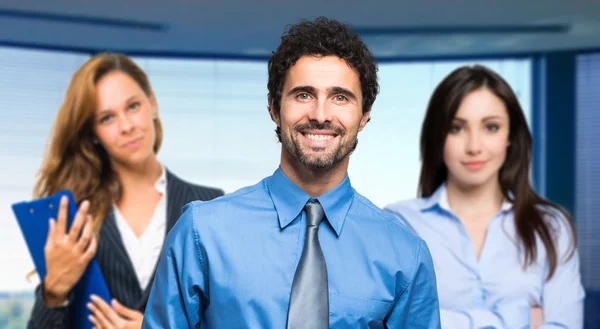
319 137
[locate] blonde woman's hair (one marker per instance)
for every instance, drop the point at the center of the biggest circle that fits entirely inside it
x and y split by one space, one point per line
73 160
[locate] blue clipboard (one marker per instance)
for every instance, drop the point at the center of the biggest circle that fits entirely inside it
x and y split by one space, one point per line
33 218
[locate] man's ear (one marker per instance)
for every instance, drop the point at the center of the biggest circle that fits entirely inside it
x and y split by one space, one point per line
363 121
274 114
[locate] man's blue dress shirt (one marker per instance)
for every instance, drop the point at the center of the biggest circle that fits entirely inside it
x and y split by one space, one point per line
230 262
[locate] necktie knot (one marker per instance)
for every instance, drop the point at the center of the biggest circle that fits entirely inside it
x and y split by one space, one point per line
314 213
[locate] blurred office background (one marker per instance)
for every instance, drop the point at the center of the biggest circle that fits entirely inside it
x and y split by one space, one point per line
207 63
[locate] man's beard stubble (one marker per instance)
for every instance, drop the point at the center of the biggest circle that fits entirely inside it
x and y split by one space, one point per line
321 160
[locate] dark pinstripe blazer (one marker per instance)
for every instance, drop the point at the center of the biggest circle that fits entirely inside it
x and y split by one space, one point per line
114 261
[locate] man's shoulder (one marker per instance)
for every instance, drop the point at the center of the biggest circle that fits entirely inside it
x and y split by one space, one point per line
385 221
404 245
407 212
229 207
231 200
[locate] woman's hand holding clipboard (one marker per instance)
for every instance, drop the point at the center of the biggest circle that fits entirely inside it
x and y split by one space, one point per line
63 253
67 253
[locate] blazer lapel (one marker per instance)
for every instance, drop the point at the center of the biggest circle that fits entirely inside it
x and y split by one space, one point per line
175 200
111 233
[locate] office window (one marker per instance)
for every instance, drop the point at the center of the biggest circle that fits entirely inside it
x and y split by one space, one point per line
217 130
32 85
587 170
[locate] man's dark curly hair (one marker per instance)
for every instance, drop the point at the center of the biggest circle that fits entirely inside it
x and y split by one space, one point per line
322 37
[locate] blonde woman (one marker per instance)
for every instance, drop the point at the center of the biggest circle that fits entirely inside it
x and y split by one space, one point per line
103 148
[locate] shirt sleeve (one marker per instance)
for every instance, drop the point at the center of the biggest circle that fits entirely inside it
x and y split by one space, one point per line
508 313
43 316
418 306
563 294
178 295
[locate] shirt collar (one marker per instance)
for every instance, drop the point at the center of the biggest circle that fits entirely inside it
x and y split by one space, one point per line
507 205
439 198
161 183
436 198
289 200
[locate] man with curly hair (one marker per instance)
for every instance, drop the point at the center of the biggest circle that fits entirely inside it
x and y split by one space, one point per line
300 249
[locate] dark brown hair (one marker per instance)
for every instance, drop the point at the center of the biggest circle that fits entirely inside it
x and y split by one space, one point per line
530 209
321 37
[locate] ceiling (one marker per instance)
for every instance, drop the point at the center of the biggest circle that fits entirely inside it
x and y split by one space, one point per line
252 29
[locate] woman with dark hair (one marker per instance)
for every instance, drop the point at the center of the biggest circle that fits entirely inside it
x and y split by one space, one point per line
103 148
504 256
